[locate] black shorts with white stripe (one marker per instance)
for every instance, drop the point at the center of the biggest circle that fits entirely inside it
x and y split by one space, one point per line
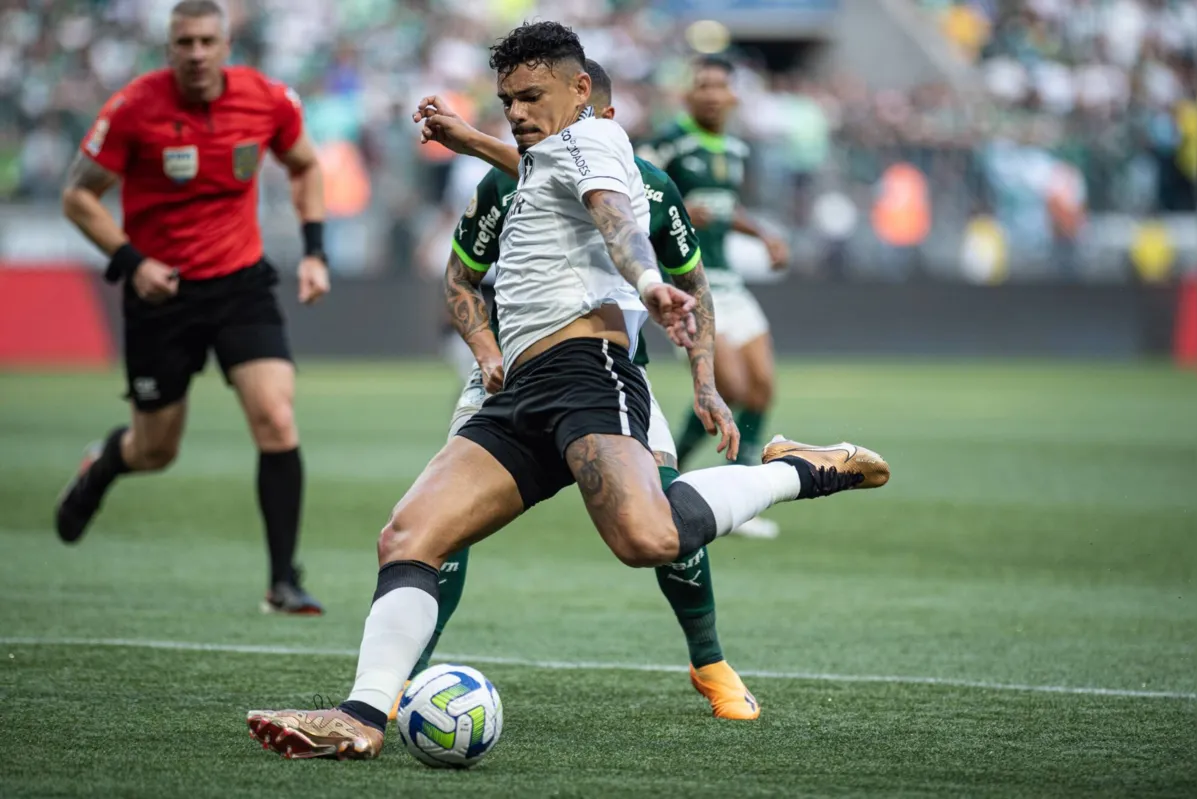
579 387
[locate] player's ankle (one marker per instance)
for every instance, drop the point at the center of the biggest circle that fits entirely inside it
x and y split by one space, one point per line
366 714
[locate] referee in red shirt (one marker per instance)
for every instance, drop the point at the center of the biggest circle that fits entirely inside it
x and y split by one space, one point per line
185 143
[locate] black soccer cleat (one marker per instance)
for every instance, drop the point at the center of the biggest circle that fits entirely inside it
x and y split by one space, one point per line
79 501
288 597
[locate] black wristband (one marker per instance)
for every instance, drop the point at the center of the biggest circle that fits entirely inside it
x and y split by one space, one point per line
123 264
313 240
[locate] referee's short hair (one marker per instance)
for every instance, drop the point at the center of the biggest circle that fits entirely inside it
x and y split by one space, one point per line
191 9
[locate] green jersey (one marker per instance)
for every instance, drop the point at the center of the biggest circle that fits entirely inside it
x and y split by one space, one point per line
476 240
708 169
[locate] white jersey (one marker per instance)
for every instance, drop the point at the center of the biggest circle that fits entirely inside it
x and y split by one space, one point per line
553 261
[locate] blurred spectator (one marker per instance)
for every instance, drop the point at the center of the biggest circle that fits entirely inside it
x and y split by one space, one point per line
1092 95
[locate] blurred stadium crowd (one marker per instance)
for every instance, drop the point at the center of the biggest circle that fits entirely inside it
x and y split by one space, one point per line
1082 107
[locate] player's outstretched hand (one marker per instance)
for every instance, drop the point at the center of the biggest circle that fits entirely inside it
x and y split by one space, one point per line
313 280
492 374
154 281
443 125
672 309
717 418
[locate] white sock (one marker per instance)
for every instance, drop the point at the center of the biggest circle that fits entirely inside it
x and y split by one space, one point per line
736 494
398 628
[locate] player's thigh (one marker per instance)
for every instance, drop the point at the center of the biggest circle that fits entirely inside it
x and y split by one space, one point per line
758 365
621 487
463 495
265 388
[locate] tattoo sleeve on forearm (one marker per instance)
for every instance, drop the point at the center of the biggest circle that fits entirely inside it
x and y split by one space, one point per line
702 354
85 173
630 249
463 298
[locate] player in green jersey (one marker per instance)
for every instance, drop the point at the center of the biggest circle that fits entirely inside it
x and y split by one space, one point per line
707 165
686 584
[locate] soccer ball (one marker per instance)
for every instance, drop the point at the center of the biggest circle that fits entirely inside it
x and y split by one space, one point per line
450 716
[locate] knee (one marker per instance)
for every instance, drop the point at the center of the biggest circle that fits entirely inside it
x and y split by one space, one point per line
645 546
404 538
273 427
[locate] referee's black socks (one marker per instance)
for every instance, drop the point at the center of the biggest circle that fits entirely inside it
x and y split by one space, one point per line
280 497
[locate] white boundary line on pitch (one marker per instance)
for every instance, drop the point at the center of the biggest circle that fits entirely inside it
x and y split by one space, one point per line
568 665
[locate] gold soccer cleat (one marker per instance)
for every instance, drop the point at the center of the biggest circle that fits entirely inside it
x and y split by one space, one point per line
314 733
832 469
726 692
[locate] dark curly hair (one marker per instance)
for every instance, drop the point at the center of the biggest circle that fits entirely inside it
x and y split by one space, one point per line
534 44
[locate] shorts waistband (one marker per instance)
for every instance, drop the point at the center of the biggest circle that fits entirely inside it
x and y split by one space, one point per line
591 344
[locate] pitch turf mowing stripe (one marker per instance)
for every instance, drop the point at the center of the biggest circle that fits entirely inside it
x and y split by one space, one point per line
565 665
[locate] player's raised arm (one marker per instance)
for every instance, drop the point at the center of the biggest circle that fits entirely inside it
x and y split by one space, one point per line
467 311
632 253
443 125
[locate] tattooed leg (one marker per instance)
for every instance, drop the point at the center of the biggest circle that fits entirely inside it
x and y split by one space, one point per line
644 526
620 484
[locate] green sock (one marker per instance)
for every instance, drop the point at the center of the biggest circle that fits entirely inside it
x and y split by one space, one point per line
453 575
751 423
690 437
687 585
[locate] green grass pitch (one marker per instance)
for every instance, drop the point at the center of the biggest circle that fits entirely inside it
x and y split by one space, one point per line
1039 533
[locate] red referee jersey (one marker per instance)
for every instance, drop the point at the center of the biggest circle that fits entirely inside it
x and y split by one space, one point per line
190 188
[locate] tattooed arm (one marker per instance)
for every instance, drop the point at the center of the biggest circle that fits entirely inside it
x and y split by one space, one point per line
85 184
633 256
467 311
708 405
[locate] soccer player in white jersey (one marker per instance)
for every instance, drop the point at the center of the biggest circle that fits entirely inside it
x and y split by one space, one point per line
573 407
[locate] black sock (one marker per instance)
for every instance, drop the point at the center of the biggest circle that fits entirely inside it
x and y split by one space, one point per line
693 518
110 465
280 497
365 714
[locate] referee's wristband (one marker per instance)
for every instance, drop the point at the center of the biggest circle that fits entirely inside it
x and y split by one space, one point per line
313 240
123 264
650 277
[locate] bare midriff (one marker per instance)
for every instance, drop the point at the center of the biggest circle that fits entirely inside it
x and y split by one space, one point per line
606 321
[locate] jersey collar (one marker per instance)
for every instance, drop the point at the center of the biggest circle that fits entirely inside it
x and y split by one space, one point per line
185 103
711 142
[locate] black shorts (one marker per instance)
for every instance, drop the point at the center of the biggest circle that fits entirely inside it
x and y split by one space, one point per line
236 316
579 387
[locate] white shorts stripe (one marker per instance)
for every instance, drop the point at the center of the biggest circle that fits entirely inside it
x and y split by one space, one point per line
624 426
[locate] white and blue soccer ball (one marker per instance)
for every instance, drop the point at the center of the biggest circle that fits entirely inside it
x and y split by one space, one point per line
450 716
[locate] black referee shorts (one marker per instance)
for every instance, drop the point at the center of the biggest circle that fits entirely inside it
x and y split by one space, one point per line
580 387
236 316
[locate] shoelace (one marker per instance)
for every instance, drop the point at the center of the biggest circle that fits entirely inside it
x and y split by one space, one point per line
322 702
